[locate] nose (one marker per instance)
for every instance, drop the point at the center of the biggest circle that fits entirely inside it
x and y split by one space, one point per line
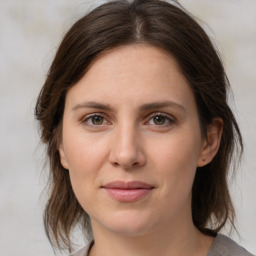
127 149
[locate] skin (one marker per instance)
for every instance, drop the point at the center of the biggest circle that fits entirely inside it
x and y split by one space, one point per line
159 145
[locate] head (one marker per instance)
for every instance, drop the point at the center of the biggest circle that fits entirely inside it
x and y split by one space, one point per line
146 24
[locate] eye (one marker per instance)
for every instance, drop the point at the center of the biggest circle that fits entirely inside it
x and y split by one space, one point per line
161 119
95 120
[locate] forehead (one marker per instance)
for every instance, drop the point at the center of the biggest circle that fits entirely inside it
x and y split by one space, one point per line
133 59
132 74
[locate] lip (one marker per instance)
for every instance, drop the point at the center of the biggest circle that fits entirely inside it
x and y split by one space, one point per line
127 191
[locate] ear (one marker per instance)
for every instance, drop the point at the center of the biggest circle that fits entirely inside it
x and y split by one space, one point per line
211 144
63 158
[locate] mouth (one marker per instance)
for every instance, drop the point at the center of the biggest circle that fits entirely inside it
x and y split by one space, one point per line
122 191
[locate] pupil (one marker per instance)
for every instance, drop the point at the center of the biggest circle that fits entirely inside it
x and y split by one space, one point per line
159 120
97 120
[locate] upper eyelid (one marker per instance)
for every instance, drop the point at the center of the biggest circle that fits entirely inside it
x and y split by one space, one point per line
93 114
155 113
87 117
162 114
148 116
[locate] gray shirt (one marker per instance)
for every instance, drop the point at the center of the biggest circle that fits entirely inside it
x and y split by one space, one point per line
221 246
224 246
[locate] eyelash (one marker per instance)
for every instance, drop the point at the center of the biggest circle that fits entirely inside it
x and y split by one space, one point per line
87 118
168 118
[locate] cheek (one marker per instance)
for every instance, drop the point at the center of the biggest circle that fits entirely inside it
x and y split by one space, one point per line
85 156
82 150
176 151
175 159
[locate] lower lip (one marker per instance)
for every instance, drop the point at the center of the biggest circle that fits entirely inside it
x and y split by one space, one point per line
128 195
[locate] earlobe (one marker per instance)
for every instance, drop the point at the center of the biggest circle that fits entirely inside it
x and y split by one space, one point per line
211 144
63 159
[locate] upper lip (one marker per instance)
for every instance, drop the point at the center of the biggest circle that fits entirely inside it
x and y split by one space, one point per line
127 185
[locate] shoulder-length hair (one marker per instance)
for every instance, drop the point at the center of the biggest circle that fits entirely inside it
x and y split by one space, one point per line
173 29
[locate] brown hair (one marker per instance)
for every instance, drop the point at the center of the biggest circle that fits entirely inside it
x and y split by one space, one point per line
174 30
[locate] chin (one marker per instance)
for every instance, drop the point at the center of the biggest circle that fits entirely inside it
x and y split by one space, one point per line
129 230
129 224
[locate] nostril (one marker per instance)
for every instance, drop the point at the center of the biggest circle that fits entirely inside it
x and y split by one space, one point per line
135 164
126 165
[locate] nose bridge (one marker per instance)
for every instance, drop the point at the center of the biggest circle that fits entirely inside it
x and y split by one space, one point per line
126 149
126 137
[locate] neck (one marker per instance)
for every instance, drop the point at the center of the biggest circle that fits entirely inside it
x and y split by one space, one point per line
183 240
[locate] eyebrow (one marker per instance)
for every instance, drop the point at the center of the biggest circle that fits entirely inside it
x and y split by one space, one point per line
93 104
147 106
162 104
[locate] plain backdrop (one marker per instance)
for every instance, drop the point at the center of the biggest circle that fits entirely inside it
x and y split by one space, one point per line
30 32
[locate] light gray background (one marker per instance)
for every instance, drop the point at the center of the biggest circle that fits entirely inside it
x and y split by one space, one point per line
29 34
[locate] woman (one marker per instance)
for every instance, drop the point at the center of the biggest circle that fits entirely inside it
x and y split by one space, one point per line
139 135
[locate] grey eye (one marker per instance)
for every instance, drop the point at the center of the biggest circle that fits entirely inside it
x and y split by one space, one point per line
97 120
159 120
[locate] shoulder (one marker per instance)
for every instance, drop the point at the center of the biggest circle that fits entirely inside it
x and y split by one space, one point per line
83 251
224 246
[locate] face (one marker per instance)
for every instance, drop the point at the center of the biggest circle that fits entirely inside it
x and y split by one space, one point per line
132 142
